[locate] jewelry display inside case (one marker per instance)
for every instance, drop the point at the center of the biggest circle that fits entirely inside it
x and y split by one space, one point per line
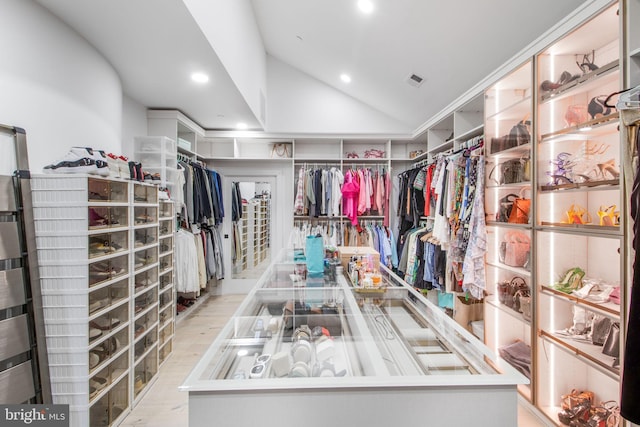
324 344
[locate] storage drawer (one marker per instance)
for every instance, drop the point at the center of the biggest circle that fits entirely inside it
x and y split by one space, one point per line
7 195
14 336
9 240
11 288
16 384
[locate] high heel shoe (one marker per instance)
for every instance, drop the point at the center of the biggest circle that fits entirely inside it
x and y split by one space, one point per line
610 168
572 280
577 215
607 215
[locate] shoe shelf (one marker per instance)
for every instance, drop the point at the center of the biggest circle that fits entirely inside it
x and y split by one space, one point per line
111 374
100 240
144 373
588 129
515 270
584 82
604 308
512 186
495 302
605 184
145 343
586 351
112 406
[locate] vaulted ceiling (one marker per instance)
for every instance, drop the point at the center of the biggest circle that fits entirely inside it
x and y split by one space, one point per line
155 45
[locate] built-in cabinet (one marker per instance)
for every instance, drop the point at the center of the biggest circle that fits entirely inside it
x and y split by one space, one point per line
565 160
101 254
508 106
578 204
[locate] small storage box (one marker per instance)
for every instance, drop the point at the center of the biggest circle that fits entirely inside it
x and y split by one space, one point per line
372 256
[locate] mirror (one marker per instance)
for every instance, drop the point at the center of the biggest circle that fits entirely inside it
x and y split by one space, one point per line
251 216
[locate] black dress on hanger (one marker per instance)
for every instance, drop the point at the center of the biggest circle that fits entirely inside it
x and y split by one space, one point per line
629 407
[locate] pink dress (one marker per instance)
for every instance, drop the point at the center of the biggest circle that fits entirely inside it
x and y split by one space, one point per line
350 194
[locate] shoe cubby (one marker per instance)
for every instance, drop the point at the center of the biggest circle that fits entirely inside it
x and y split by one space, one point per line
145 258
165 227
99 245
106 349
144 215
166 314
166 210
166 298
144 371
166 279
166 332
145 343
108 243
108 296
144 323
166 245
145 236
165 351
108 409
145 194
100 381
144 301
101 217
145 279
104 324
166 262
106 270
104 190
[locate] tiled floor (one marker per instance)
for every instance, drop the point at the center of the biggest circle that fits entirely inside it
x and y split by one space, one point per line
165 406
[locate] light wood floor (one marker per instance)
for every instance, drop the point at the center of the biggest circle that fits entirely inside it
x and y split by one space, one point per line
165 406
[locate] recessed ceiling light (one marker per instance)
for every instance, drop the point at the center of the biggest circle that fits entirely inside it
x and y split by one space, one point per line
241 126
199 77
365 6
346 78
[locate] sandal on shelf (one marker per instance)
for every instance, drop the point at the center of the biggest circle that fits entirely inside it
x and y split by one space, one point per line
587 65
565 77
577 215
608 216
609 168
572 280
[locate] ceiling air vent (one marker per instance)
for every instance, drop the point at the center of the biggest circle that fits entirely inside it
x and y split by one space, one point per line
415 80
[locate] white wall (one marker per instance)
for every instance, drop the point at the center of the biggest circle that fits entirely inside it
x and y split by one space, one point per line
134 123
232 31
55 85
298 103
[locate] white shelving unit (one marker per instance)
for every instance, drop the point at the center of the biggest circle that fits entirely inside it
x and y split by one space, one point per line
97 240
158 156
167 292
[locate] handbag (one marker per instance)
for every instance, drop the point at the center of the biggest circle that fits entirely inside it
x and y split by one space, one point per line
508 172
575 398
280 150
507 290
611 345
600 329
518 297
525 307
505 207
518 135
514 249
520 211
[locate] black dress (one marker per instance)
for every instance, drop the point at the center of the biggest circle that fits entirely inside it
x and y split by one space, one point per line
629 407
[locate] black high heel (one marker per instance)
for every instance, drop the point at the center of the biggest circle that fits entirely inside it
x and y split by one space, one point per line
587 64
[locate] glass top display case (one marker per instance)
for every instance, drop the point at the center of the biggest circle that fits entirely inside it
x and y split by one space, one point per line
296 333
